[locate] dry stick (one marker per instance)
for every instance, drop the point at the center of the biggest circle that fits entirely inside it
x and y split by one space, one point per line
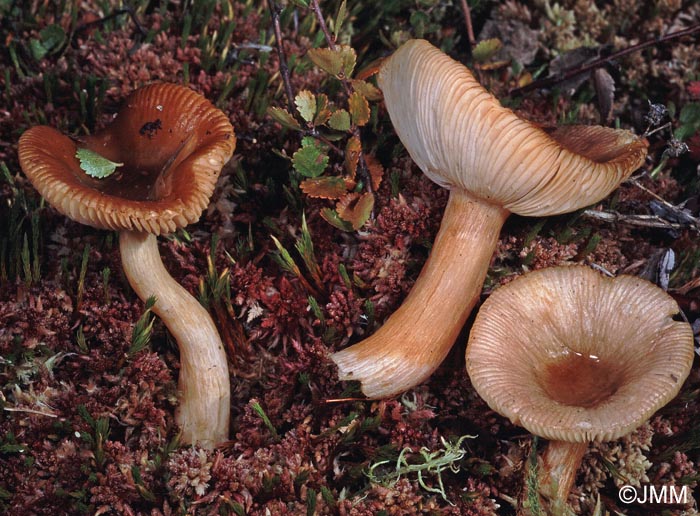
284 69
572 72
322 23
646 221
126 10
468 24
692 221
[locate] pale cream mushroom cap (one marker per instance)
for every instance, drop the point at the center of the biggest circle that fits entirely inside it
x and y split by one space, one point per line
572 355
173 143
461 137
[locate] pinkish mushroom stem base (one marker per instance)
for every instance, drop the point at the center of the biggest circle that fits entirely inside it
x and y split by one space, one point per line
413 342
203 383
558 468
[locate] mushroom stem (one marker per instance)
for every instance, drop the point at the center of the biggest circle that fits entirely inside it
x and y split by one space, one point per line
417 337
557 473
203 384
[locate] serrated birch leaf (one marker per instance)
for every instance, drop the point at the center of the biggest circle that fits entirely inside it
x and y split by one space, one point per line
340 120
95 165
331 187
310 161
284 117
376 171
369 90
331 216
340 61
359 109
323 112
306 104
355 208
326 59
349 59
486 49
352 155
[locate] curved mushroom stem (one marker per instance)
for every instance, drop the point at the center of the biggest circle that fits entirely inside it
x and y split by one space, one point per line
416 338
203 384
557 473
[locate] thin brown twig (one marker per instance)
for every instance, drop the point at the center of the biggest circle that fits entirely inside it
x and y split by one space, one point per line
284 69
468 23
577 70
118 12
322 23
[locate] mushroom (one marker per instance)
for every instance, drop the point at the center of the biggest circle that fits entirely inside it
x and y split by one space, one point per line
172 144
574 356
494 164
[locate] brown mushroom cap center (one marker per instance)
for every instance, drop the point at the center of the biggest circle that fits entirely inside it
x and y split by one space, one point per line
137 180
152 153
578 379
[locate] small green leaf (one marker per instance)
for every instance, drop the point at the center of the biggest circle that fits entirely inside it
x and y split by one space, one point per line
355 208
349 59
330 187
338 62
359 109
310 160
340 120
306 105
52 37
283 117
352 155
369 90
331 216
301 3
340 18
95 165
486 49
689 119
38 50
323 112
326 59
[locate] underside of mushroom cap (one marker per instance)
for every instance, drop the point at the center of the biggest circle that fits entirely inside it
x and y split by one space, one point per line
173 144
461 137
572 355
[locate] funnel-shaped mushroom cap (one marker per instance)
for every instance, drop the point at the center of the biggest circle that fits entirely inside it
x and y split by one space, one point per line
574 356
461 137
173 144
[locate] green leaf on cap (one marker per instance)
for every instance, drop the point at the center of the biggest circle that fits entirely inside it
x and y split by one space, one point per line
95 165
